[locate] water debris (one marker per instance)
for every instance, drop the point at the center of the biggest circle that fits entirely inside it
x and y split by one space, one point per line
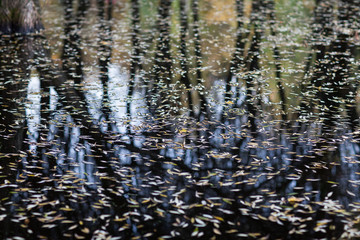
179 119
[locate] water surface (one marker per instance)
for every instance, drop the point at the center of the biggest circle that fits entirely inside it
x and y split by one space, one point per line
181 120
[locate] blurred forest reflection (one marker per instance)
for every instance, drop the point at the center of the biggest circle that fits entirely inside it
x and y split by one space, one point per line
156 119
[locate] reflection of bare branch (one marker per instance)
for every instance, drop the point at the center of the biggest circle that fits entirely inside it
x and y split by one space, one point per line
105 49
198 55
13 77
270 6
237 58
135 64
69 97
162 62
183 60
74 101
333 50
252 64
72 54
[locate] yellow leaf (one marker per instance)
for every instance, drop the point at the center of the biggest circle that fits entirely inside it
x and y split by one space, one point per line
292 200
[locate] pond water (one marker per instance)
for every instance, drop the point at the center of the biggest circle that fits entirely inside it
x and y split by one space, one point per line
160 119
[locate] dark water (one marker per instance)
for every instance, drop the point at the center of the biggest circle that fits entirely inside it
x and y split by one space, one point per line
180 120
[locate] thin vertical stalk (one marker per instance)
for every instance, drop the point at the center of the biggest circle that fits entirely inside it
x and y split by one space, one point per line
162 65
252 61
105 49
276 55
237 58
198 55
135 57
183 59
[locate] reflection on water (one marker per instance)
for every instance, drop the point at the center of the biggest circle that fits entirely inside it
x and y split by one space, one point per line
180 119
